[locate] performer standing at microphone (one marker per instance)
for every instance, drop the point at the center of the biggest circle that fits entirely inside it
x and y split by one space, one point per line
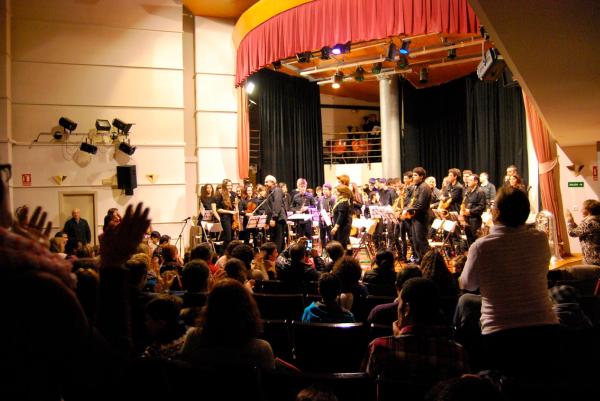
419 209
277 216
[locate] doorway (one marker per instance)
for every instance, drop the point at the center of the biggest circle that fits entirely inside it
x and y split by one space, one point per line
84 201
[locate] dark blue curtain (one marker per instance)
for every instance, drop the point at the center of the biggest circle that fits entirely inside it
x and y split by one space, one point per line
291 137
467 124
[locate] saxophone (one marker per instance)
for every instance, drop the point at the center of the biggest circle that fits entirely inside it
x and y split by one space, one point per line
407 214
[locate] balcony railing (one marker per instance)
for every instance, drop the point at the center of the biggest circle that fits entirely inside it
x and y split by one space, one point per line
352 147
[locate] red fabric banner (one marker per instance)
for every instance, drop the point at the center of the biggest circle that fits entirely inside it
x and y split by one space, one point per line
313 25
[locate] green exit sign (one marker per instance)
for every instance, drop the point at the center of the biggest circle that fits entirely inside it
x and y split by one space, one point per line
576 184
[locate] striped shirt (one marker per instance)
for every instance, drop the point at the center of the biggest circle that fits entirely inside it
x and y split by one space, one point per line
509 267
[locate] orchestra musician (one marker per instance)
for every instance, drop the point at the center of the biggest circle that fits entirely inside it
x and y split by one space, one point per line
246 207
277 212
342 215
436 194
406 194
420 211
326 203
488 188
224 209
301 201
473 207
453 193
207 195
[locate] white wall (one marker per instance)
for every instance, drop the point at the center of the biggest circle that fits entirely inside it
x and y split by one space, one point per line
216 102
336 120
358 173
100 59
573 198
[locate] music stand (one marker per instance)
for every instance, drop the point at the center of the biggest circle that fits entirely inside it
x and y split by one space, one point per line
375 212
253 221
326 218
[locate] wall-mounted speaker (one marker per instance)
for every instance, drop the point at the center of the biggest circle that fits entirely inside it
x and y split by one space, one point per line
127 179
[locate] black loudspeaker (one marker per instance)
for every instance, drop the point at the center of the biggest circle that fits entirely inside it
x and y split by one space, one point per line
127 178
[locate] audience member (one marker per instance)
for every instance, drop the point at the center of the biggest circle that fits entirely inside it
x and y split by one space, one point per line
264 262
420 351
328 310
227 254
434 267
334 250
204 252
386 314
316 392
465 388
230 327
588 231
297 273
167 333
567 309
380 280
236 269
509 268
349 271
195 279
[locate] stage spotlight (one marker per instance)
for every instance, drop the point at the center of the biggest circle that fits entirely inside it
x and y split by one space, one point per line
126 148
338 78
250 86
58 132
341 48
121 126
325 52
304 57
376 68
277 64
68 125
404 49
391 53
402 62
424 76
88 147
451 54
103 125
359 74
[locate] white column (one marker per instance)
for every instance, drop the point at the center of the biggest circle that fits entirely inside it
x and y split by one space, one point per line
390 127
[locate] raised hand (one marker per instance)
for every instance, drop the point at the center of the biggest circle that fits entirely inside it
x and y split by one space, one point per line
35 228
119 240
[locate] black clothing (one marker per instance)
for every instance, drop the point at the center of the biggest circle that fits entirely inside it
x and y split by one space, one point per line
277 212
420 219
475 202
436 195
303 228
456 193
342 217
490 193
226 218
387 196
206 202
78 231
326 204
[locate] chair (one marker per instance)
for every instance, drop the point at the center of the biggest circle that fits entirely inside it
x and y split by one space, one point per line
277 333
280 306
379 330
329 347
354 386
309 299
276 287
365 304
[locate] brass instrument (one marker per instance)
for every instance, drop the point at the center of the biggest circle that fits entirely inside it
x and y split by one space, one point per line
406 213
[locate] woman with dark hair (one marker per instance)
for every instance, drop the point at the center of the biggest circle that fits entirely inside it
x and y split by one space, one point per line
349 271
342 215
207 196
434 268
588 231
514 181
229 330
223 208
112 216
164 327
380 280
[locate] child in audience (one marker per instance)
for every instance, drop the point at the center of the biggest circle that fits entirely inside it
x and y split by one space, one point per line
167 333
327 310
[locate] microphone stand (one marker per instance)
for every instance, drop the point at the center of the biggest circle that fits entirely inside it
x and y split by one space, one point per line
179 240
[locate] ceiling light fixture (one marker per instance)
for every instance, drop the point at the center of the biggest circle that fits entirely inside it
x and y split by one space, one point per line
304 57
250 86
277 64
424 76
404 49
325 51
126 148
359 74
338 78
122 126
103 125
376 68
451 54
68 125
391 53
341 48
402 62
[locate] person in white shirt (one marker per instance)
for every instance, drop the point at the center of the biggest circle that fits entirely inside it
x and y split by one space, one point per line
509 267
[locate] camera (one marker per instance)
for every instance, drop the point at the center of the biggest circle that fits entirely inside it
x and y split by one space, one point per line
309 245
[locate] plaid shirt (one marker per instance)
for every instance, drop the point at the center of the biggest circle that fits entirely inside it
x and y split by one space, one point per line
20 254
420 354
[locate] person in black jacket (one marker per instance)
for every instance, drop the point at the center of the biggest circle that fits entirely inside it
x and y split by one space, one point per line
342 216
277 212
419 209
473 206
77 229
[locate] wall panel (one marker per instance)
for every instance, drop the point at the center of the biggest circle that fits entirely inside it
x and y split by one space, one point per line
215 93
163 15
215 52
57 42
214 165
96 86
216 129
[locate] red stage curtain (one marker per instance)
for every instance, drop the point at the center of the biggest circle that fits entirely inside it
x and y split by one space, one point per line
243 134
313 25
549 190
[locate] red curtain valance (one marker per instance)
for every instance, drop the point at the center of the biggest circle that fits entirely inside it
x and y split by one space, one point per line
313 25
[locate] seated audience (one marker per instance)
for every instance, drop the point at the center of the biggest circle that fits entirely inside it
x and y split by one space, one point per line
383 276
327 310
567 309
420 351
264 262
236 269
434 268
245 253
204 252
227 254
229 332
334 250
465 388
349 271
386 314
296 273
195 278
167 333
